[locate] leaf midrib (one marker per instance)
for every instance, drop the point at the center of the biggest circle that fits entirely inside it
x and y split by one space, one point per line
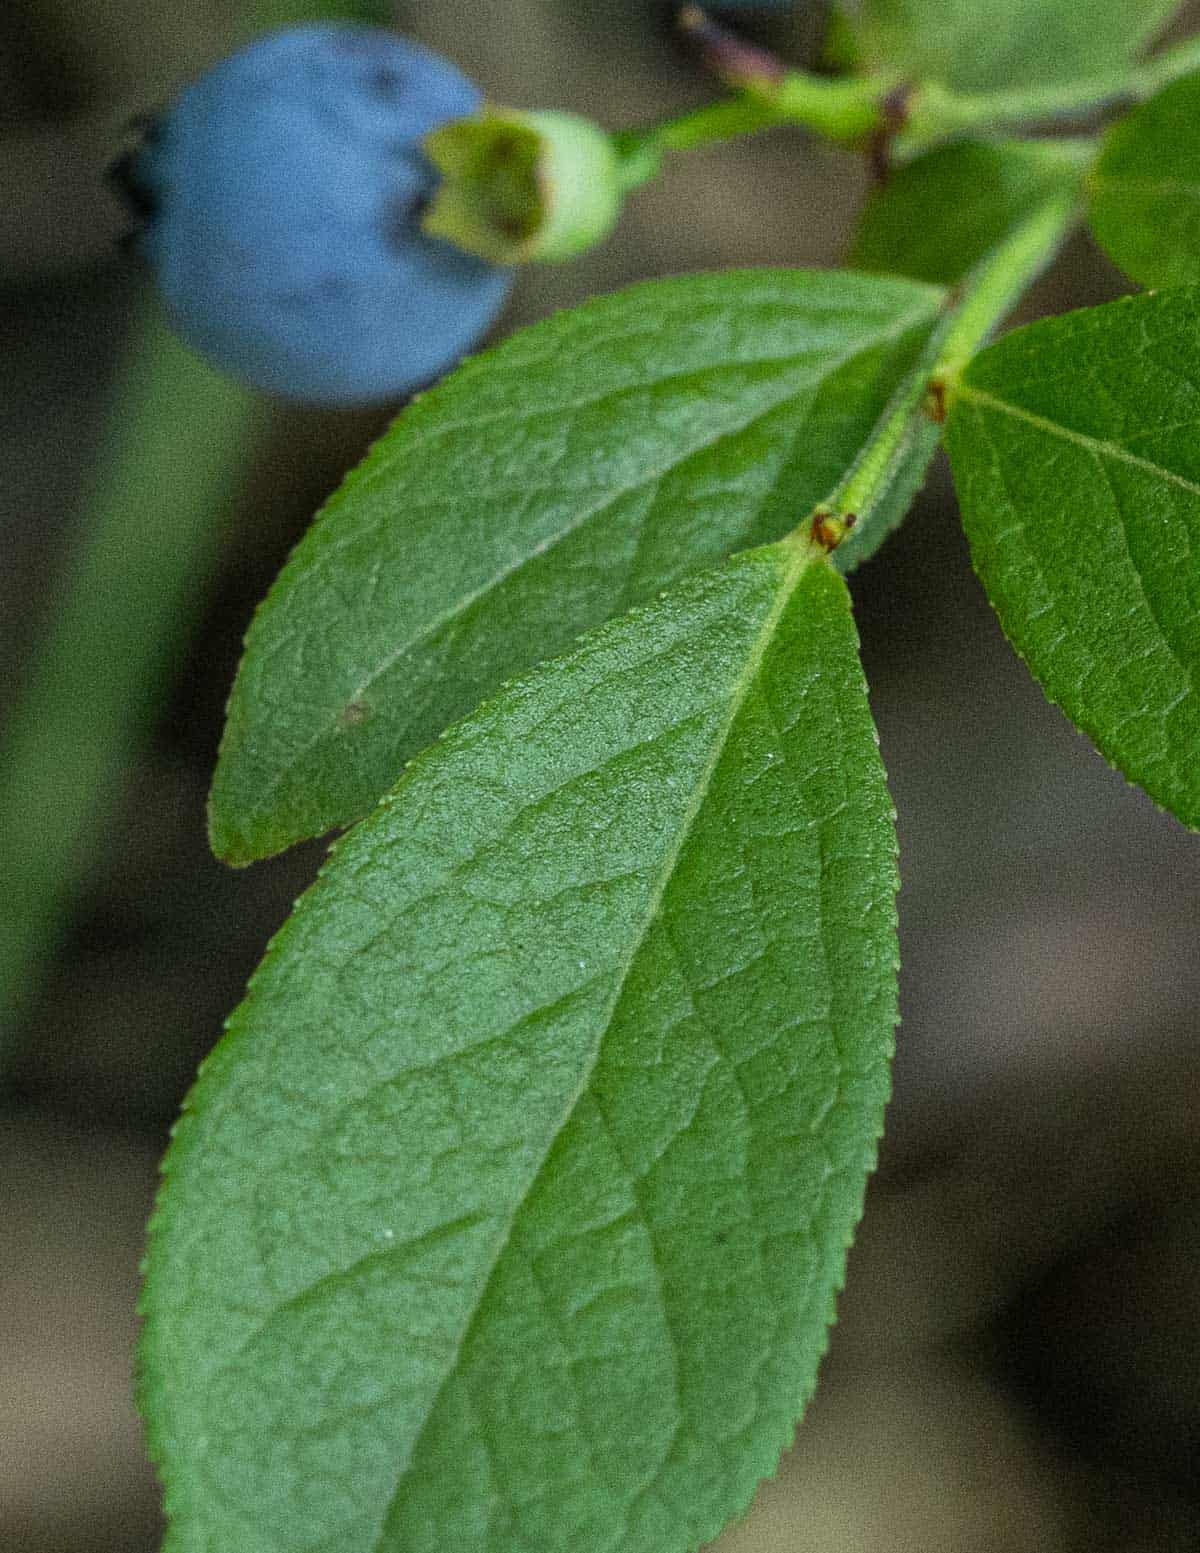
1100 447
1095 448
267 792
427 408
798 563
805 306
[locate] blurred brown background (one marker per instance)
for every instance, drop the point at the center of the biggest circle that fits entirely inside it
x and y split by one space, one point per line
1017 1366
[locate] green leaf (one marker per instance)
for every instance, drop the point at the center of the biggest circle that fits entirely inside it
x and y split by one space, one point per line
939 214
1075 445
577 470
509 1215
977 47
1146 188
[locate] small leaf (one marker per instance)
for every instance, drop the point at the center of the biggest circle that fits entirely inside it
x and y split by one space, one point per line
1075 445
508 1217
939 214
1146 188
977 47
580 468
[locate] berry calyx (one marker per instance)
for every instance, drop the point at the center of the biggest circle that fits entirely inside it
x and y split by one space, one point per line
519 187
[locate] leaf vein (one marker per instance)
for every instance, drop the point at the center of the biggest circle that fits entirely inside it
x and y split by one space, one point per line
1101 446
739 690
460 606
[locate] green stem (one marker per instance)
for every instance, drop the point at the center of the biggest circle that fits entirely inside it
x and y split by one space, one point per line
1000 279
847 108
935 113
858 109
854 108
1166 67
641 151
177 440
978 307
843 110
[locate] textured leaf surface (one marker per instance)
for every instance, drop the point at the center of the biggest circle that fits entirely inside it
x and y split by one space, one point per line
1146 189
577 470
509 1214
1075 445
939 214
978 47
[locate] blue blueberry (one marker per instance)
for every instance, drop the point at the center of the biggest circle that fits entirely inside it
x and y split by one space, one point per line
283 193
